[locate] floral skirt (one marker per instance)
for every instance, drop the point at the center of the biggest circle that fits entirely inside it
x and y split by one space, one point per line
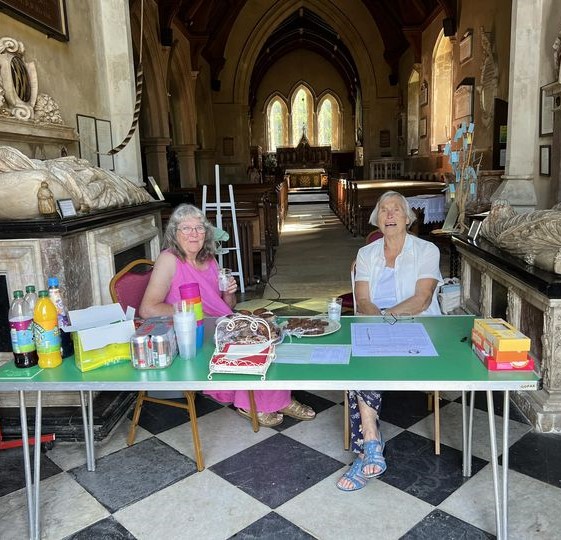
371 398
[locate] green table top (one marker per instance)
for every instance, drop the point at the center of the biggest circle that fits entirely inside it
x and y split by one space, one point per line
455 368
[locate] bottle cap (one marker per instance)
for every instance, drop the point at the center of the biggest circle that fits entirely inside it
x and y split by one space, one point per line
29 288
18 294
43 294
189 290
52 282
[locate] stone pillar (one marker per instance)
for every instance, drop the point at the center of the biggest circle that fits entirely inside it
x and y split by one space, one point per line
523 105
155 150
205 160
186 159
113 49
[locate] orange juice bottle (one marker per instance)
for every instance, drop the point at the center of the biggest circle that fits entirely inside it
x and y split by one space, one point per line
46 331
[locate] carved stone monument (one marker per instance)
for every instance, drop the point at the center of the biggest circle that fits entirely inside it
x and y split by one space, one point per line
90 188
535 237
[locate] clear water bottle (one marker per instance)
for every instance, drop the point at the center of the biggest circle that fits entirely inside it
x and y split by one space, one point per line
30 296
63 320
20 317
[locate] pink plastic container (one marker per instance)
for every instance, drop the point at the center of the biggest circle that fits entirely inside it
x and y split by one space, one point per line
189 290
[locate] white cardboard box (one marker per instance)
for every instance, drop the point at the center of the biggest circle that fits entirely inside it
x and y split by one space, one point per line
98 326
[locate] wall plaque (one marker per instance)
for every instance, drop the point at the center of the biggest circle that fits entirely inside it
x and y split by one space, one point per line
48 16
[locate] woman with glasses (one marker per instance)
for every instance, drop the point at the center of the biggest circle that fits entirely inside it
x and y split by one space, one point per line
188 257
396 275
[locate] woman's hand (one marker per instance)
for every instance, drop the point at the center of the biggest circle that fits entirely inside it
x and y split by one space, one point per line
232 286
229 295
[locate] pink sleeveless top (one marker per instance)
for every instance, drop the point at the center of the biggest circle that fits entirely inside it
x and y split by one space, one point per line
213 305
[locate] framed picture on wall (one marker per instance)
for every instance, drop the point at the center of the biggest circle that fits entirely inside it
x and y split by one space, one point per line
466 47
424 93
545 160
463 101
88 138
423 127
104 144
47 16
546 113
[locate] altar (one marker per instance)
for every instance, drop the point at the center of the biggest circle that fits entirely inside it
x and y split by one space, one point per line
306 178
305 166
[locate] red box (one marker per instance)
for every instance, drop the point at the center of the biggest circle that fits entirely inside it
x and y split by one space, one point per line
492 364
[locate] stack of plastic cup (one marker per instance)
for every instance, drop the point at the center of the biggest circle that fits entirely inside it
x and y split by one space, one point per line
185 327
191 295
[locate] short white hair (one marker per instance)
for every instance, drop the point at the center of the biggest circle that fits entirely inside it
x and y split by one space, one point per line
411 216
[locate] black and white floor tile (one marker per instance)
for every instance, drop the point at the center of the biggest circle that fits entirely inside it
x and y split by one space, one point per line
280 483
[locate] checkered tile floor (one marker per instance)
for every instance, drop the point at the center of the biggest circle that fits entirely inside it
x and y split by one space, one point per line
280 483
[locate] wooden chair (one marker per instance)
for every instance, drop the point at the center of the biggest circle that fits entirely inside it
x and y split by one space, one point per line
127 287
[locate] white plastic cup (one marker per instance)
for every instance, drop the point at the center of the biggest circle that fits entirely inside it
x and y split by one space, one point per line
334 308
185 327
224 275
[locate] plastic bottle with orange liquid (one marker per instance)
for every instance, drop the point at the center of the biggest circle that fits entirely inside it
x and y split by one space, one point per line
47 333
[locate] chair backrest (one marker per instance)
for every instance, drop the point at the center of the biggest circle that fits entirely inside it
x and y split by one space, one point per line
128 285
373 236
353 272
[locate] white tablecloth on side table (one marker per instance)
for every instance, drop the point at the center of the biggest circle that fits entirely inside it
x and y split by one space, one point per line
433 206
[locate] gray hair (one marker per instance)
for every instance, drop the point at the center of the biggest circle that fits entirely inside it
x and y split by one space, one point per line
180 214
411 216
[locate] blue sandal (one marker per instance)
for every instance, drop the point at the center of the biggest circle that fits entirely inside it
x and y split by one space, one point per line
374 456
355 476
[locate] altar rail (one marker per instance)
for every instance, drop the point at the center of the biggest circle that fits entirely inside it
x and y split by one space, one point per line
353 200
260 211
385 168
496 284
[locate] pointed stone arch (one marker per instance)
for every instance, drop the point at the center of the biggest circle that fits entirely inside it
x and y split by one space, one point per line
441 91
336 118
273 137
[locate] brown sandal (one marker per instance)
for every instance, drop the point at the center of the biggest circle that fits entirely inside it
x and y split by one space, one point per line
299 411
265 419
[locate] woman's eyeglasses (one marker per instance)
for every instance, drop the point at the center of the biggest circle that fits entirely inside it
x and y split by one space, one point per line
186 230
390 318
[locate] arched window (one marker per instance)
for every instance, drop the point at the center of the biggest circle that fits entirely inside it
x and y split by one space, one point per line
277 124
413 112
302 115
329 117
441 105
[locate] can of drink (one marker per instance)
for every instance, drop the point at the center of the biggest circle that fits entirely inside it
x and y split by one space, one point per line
140 354
154 344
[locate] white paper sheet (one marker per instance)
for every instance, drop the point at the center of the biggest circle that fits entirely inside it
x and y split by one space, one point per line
291 353
383 339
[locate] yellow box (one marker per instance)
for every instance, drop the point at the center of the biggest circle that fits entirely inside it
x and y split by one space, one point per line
96 358
502 335
101 335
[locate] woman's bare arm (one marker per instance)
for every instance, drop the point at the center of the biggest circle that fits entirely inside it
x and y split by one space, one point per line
424 289
364 306
153 304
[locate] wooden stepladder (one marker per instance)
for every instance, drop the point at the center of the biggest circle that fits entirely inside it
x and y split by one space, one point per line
218 206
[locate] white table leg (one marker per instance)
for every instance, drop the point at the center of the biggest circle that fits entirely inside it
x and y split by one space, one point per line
37 465
495 465
464 435
27 466
506 418
87 420
470 433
